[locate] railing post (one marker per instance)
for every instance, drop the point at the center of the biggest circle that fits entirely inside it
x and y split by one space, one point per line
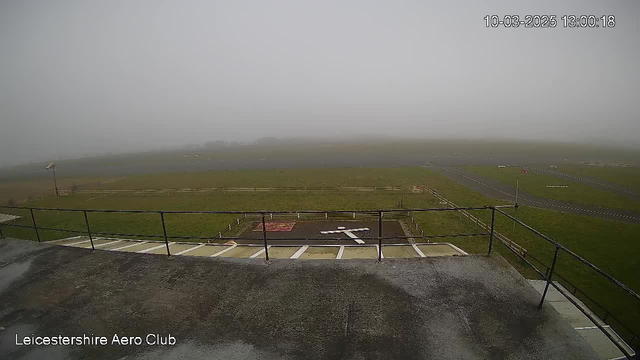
86 221
35 227
546 287
379 235
493 222
264 238
164 231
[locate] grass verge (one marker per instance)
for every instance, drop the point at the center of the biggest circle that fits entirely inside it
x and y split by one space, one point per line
536 184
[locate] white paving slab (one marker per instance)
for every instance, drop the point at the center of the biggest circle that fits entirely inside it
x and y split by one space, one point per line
602 345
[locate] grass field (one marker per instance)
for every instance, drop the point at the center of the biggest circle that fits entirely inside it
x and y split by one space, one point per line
374 147
374 152
402 176
26 190
608 244
625 176
536 184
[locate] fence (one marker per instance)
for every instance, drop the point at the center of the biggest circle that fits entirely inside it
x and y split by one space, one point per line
230 226
262 215
632 338
527 259
224 190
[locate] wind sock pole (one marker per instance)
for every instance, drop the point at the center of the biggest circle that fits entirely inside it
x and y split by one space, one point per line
52 166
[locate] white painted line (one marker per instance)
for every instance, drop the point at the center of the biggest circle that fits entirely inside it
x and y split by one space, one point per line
590 327
224 251
355 238
69 238
379 252
340 252
152 248
458 249
109 243
190 249
417 249
621 357
348 232
299 252
259 252
77 243
128 246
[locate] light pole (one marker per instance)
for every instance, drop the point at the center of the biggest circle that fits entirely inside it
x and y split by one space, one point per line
52 166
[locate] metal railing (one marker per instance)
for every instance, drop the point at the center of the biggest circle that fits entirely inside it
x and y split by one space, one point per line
379 214
634 339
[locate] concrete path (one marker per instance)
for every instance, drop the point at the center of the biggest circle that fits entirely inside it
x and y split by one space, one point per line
602 345
499 190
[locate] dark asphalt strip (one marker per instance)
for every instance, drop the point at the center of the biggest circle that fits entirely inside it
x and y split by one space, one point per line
618 189
506 192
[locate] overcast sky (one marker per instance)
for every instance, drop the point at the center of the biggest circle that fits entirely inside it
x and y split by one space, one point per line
88 76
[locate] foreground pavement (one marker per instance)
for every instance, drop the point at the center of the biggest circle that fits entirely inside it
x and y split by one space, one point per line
462 307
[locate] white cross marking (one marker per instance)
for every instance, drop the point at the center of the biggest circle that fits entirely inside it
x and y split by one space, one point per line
348 232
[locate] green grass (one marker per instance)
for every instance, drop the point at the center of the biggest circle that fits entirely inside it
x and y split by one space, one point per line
536 184
403 176
183 224
625 176
373 147
17 191
608 244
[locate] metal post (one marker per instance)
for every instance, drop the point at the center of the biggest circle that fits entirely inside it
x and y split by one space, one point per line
516 204
86 220
164 231
493 221
55 182
379 235
264 237
35 227
549 276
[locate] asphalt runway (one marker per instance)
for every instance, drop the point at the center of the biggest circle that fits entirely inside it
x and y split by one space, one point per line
498 190
604 185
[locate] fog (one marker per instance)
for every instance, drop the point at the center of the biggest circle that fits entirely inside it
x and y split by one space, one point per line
87 77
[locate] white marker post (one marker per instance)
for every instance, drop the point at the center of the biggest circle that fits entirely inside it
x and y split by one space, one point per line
348 232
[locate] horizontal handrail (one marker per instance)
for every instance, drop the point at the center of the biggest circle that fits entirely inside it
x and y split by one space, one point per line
379 213
578 257
254 212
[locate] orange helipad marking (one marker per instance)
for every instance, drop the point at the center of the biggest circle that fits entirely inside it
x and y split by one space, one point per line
277 226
